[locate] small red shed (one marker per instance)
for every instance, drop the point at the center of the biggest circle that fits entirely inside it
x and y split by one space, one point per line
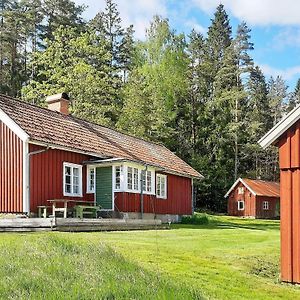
286 136
253 198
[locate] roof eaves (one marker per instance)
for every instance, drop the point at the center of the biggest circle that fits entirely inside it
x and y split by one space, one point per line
18 130
234 185
273 134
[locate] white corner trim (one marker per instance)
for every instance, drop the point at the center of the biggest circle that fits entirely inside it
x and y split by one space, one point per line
26 189
234 185
12 125
284 124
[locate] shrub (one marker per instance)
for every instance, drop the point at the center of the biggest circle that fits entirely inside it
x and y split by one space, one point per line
196 219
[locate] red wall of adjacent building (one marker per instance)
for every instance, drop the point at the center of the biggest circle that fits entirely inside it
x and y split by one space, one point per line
46 175
178 202
289 162
11 171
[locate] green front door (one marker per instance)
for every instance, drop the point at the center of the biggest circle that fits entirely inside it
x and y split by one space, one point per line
104 195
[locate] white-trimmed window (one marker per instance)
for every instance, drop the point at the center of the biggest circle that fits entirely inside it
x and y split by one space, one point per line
241 205
132 178
91 179
161 186
129 178
147 181
72 180
265 205
136 179
241 190
118 171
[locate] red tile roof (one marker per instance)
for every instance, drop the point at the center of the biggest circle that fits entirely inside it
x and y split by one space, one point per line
50 127
258 187
263 188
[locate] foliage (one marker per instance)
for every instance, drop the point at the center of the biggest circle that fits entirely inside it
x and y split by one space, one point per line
196 219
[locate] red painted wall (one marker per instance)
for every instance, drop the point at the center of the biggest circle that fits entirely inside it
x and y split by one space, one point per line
289 162
178 202
46 178
266 214
11 171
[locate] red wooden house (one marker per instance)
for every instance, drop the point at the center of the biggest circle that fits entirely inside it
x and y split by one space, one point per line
50 154
253 198
286 136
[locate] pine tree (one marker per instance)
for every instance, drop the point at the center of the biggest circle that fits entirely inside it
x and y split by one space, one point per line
277 97
65 65
293 98
218 38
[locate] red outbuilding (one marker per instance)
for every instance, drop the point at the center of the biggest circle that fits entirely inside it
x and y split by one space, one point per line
253 198
286 136
50 154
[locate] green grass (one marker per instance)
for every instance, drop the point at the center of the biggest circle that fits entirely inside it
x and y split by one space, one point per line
228 258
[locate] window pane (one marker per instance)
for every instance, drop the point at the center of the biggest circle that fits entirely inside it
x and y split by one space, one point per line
75 189
118 178
143 180
68 170
163 186
136 178
75 171
148 181
158 185
68 188
91 181
129 178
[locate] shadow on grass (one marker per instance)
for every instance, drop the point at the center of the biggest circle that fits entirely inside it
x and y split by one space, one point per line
228 224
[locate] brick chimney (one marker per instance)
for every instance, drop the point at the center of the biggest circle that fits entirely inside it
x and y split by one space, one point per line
59 102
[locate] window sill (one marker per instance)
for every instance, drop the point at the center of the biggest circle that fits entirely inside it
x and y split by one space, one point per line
162 198
90 192
73 195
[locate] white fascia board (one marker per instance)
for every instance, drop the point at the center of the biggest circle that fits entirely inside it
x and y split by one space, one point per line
281 127
13 126
235 184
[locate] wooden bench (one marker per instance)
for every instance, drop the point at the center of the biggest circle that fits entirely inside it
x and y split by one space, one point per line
81 210
42 211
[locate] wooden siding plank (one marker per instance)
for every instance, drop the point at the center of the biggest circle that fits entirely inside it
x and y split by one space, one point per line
11 171
286 225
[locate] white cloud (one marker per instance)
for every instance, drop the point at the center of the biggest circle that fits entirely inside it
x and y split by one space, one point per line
192 23
288 36
287 74
136 12
258 12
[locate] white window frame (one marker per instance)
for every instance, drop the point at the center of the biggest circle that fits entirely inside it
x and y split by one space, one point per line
241 190
266 205
136 180
239 202
72 166
121 188
88 180
158 183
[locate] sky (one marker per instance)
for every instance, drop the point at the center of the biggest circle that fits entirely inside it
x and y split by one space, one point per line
275 25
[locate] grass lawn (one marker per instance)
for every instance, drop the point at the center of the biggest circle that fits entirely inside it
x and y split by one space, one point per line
229 258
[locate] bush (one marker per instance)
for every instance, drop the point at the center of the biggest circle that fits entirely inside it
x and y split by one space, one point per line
196 219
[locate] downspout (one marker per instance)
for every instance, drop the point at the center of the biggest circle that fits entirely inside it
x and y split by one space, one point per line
29 154
142 191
